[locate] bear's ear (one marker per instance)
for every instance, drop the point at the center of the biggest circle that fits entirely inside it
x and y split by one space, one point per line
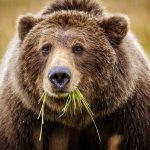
25 24
115 28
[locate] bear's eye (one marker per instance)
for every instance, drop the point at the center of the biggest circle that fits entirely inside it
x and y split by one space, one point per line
78 49
46 49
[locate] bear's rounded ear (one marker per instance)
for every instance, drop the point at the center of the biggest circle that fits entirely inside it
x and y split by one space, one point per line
115 28
25 24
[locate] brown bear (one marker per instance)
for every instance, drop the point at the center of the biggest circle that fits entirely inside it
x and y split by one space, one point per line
74 44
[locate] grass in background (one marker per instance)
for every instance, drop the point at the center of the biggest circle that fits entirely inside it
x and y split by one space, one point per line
138 11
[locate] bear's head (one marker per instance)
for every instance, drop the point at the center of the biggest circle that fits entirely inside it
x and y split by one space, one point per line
66 50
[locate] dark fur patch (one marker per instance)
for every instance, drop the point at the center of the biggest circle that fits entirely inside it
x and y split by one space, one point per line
115 28
25 24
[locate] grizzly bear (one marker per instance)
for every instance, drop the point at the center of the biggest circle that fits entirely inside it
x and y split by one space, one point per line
74 44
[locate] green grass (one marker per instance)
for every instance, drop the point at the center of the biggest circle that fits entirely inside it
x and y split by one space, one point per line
41 114
77 99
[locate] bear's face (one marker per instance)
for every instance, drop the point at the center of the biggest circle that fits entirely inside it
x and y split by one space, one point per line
65 51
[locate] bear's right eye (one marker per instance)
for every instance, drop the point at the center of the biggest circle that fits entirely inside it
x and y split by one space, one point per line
46 49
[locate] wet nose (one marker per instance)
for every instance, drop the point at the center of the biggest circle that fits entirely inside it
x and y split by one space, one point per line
59 77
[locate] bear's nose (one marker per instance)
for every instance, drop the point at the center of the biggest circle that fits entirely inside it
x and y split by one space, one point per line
59 77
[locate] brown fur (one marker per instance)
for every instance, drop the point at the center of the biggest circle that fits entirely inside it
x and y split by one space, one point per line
112 73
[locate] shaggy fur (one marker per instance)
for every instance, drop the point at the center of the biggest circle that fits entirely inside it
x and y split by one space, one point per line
112 72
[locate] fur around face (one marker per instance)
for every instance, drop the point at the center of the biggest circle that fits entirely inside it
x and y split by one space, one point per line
112 73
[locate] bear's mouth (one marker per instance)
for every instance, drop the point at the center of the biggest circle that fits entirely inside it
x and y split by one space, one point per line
58 94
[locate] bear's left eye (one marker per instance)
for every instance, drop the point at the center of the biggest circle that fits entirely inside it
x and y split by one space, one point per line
46 49
78 49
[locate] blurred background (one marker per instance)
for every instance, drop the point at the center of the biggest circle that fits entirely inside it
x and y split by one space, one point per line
137 10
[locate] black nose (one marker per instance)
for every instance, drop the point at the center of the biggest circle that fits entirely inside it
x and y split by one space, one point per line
59 77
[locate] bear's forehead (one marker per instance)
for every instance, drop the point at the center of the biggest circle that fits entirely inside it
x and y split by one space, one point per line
71 19
67 27
63 36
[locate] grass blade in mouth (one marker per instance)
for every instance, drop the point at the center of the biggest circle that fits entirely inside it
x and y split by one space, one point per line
77 98
90 113
74 102
78 101
41 114
66 106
